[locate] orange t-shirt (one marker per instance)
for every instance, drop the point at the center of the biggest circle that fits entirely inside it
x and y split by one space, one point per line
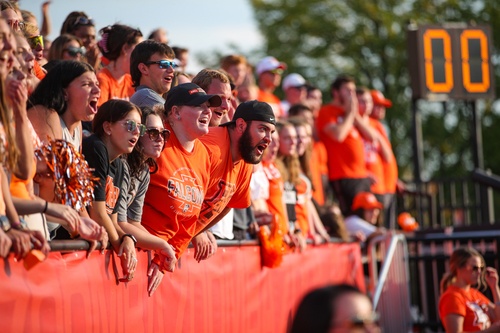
303 189
271 99
229 183
175 193
275 202
112 89
319 168
346 159
390 167
471 304
374 163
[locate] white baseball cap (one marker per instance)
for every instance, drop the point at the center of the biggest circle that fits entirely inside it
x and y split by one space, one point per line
293 80
268 64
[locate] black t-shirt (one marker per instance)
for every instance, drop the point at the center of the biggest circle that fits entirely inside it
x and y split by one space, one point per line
110 175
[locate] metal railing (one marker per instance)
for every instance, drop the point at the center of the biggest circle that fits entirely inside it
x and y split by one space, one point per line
390 288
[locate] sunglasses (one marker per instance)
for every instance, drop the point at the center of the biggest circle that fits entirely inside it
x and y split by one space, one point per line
277 71
155 133
74 51
82 20
477 268
359 323
163 64
35 41
131 126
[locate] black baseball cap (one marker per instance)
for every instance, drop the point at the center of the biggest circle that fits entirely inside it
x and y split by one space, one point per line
189 94
253 110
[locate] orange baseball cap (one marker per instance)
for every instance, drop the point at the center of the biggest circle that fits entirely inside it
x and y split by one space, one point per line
379 99
365 200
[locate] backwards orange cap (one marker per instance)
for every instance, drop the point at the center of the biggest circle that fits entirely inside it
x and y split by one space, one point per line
379 99
365 200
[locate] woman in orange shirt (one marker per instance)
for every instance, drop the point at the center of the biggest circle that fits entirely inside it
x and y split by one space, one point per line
116 45
462 307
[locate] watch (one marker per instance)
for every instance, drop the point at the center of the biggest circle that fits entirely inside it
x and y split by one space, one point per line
4 223
21 225
131 237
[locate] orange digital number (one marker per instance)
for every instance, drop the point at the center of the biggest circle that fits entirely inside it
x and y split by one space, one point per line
465 37
430 79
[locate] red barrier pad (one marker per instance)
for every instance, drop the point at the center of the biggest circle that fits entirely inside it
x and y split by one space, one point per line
230 292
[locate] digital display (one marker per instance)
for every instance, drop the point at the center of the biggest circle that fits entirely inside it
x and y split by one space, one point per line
450 62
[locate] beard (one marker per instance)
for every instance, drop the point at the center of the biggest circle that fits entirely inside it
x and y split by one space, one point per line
248 151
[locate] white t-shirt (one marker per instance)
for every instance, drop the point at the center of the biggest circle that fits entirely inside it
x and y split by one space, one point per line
355 224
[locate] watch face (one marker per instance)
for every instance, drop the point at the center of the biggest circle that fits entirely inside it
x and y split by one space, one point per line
4 223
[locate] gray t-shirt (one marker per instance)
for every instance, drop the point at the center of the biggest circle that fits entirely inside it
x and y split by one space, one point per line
145 96
134 191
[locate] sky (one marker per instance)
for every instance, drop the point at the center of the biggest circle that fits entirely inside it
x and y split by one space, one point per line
199 25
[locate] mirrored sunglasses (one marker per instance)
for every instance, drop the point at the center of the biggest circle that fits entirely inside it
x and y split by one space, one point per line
155 133
75 51
131 126
82 20
163 64
35 42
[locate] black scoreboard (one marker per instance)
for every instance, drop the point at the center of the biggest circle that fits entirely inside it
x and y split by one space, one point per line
450 61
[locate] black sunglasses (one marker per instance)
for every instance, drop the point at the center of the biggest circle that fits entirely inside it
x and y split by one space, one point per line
74 51
154 134
163 64
131 126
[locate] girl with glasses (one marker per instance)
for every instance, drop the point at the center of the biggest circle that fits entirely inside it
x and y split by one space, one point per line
116 45
65 47
117 127
142 162
462 306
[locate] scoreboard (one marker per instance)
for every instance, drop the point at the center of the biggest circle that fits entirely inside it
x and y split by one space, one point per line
450 61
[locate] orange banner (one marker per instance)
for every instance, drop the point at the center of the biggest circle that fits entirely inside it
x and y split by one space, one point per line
230 292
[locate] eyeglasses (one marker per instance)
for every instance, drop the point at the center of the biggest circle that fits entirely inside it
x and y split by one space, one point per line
35 42
82 20
155 133
16 25
477 268
74 51
131 126
163 64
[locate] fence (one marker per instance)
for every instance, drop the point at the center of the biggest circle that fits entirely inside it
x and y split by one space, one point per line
390 288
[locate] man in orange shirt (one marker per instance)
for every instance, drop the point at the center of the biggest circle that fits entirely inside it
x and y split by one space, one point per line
341 129
234 147
269 71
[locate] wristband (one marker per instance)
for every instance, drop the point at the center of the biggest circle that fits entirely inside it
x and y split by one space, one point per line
46 207
131 237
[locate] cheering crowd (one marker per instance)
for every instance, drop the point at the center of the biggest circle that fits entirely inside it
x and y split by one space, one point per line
107 138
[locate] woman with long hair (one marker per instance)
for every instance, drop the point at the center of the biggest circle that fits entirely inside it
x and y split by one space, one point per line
117 128
67 96
142 162
306 210
116 45
462 307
